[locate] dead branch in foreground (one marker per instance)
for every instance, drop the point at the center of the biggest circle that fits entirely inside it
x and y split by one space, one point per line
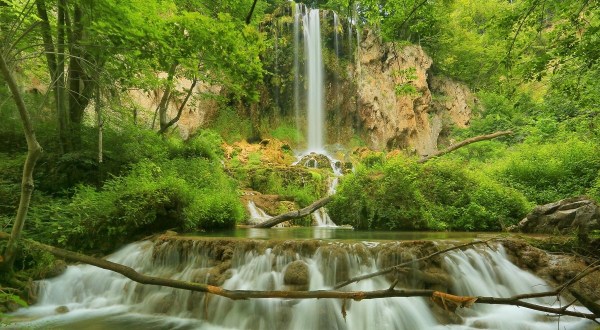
464 143
294 214
318 294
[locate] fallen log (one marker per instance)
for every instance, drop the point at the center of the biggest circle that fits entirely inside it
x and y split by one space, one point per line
464 143
294 214
317 294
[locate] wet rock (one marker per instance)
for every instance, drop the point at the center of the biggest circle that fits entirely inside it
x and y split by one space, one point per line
297 275
435 276
162 303
525 255
61 309
314 160
565 216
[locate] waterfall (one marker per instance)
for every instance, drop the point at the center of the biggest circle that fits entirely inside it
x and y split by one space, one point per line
314 75
89 297
297 12
257 215
336 24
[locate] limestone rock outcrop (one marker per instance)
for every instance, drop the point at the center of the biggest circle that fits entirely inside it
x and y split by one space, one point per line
399 104
565 216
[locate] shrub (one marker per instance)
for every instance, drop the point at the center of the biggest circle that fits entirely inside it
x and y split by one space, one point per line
180 194
548 172
441 194
299 184
382 197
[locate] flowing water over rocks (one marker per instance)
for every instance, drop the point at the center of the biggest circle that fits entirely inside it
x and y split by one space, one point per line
88 297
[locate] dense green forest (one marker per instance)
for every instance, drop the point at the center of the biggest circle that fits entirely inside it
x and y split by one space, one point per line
112 172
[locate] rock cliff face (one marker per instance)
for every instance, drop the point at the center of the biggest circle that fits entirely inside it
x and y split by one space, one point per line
399 104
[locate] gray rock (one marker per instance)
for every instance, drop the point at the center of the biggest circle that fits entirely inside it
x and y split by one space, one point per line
565 216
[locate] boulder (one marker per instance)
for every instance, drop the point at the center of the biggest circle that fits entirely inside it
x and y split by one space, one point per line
315 160
562 217
296 275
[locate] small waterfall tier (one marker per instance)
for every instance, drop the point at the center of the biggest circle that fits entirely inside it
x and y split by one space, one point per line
86 297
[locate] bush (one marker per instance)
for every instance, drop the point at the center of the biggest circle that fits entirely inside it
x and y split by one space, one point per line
381 197
462 199
549 172
299 184
288 133
441 194
177 194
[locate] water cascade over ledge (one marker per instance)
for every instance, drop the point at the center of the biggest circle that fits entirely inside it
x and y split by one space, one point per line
314 74
86 296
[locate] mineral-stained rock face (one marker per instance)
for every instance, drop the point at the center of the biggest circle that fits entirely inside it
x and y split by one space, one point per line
395 102
565 216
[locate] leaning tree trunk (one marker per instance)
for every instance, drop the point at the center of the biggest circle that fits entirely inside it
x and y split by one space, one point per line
34 151
294 214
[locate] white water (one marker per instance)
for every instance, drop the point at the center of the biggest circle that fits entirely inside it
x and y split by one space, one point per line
336 27
297 12
322 219
314 75
101 299
257 215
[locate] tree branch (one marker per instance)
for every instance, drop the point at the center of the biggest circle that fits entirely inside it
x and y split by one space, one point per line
294 214
180 110
464 143
249 17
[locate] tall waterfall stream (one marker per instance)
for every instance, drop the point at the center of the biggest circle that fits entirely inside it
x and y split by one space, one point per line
86 297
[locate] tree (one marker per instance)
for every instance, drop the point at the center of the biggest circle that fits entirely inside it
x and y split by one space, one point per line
34 151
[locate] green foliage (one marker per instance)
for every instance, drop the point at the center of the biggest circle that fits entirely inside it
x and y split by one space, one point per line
551 171
407 78
381 197
186 194
442 194
7 299
287 133
205 143
301 185
406 89
231 125
214 210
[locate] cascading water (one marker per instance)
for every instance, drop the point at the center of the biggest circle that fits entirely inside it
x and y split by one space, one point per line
297 12
96 298
314 75
257 215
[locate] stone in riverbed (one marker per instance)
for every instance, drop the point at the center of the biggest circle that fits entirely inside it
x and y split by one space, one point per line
296 275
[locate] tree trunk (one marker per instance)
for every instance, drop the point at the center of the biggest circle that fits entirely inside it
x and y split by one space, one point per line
80 83
63 124
55 74
172 122
99 121
163 107
34 151
464 143
294 214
